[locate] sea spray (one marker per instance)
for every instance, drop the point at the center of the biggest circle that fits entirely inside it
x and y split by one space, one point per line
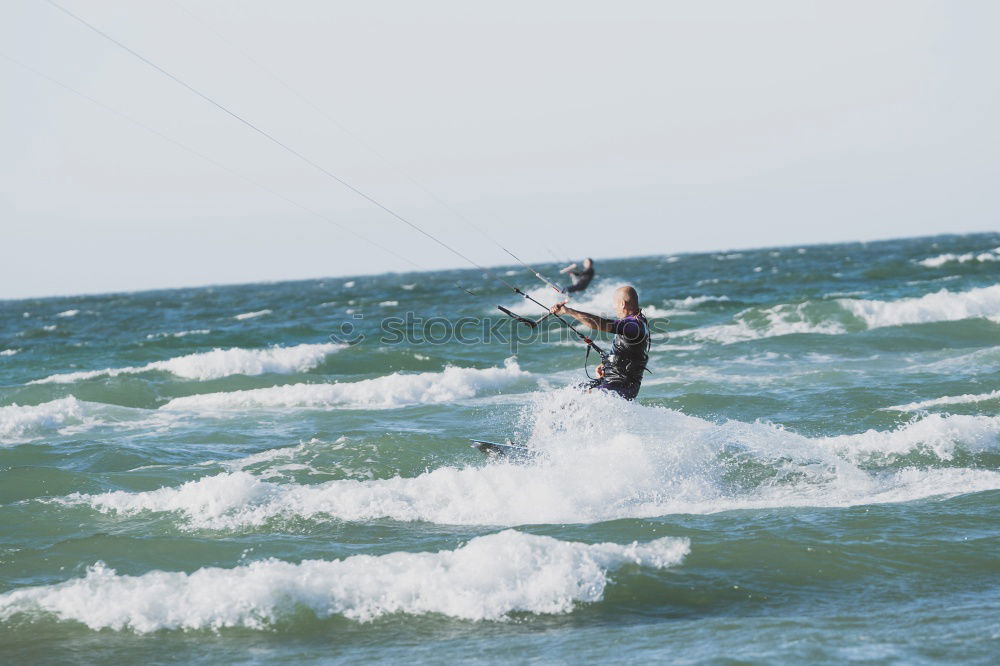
600 458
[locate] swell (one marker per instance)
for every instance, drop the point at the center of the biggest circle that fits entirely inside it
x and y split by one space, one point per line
386 392
217 363
845 315
601 459
485 579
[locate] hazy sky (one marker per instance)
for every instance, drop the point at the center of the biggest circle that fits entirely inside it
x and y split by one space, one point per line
600 128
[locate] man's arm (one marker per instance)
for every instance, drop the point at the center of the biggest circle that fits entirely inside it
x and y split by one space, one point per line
593 321
568 268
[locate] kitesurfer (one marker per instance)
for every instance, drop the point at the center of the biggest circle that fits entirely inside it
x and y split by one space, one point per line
621 371
581 279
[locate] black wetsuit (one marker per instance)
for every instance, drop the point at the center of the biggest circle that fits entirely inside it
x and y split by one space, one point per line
628 358
581 280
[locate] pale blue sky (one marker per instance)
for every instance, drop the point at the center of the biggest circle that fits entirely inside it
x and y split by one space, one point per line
608 129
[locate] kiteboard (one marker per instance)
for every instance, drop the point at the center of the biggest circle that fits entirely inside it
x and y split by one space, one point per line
508 450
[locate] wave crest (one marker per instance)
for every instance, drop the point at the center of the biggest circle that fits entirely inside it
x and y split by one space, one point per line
843 315
966 399
604 459
948 258
387 392
942 305
486 579
218 363
24 423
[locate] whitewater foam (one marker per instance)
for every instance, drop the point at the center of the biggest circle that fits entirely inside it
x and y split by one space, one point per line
219 363
942 305
279 463
598 299
9 352
758 323
940 435
486 579
968 398
252 315
179 334
387 392
23 423
947 258
695 301
601 459
981 361
843 315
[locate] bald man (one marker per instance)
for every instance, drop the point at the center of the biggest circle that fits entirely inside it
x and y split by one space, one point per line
622 371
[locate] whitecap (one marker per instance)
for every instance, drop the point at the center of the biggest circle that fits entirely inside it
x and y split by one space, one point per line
601 458
252 315
485 579
694 301
945 400
179 334
937 434
942 305
598 299
947 258
386 392
26 422
845 314
219 363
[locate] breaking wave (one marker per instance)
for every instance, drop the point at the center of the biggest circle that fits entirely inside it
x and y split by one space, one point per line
251 315
486 579
943 305
179 334
599 299
694 301
949 258
23 423
938 435
387 392
945 400
599 459
843 315
219 363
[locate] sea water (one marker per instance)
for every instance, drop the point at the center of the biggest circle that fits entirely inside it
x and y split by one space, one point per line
281 471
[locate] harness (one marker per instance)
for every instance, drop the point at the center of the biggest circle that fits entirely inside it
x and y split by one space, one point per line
628 359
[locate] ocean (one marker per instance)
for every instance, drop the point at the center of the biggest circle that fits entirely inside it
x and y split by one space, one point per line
281 472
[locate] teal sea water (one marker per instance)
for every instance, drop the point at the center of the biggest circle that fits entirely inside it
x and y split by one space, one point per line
280 472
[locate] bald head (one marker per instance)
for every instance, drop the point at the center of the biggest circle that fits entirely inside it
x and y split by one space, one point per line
626 301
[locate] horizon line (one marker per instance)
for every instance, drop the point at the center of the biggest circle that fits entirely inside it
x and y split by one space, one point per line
4 300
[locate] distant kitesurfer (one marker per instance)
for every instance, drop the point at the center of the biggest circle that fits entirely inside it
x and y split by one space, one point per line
581 279
622 370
